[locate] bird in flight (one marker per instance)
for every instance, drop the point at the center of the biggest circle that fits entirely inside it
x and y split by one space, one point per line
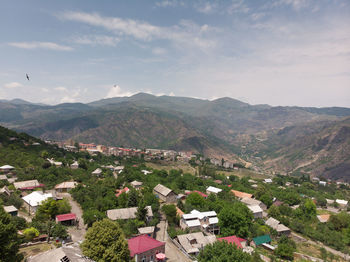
27 76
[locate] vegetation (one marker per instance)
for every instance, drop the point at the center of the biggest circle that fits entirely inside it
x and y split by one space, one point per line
105 241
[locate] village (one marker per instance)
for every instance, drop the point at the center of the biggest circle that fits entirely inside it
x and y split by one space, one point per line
185 211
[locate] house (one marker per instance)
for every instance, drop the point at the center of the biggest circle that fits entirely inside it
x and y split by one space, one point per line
276 225
196 220
97 172
239 242
149 231
277 203
322 183
146 172
3 177
257 241
127 213
53 162
75 165
136 184
268 180
6 168
5 190
65 186
342 203
71 253
198 192
28 185
213 190
12 210
253 202
241 195
256 210
121 191
144 248
67 219
192 243
323 218
165 194
34 199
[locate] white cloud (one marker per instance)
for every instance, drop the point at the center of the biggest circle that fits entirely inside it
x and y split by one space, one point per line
206 7
61 88
238 6
181 34
41 45
159 51
296 4
116 91
169 3
97 40
13 85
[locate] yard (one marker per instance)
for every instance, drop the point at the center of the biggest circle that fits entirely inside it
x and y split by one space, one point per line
35 249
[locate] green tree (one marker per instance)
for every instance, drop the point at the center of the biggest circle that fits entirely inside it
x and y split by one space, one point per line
141 213
31 233
47 210
92 215
105 241
286 248
63 206
266 199
132 198
235 220
170 212
221 251
9 241
195 200
59 230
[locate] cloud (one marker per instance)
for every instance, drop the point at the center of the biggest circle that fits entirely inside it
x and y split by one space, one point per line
41 45
169 3
13 85
116 91
159 51
206 7
238 6
97 40
185 32
295 4
61 88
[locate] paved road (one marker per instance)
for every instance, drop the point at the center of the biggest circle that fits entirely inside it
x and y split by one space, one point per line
172 253
78 232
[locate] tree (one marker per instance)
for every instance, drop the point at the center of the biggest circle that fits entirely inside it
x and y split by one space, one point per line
9 241
59 231
132 198
235 220
170 212
30 233
221 251
92 215
195 200
105 241
309 209
266 199
141 213
286 248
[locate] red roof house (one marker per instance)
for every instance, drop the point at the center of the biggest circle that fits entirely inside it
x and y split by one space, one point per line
145 247
121 191
66 217
198 192
239 242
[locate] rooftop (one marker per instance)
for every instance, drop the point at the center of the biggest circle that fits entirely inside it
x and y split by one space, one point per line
126 213
262 239
233 240
143 243
240 194
66 217
214 189
163 190
10 209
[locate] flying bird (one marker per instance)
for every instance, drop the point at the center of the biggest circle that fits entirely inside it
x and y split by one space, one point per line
27 76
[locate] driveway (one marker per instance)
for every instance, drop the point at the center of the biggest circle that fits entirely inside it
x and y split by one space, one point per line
77 232
172 253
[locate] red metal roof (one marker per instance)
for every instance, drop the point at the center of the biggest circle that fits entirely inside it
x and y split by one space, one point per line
121 191
66 217
198 192
143 243
31 187
233 240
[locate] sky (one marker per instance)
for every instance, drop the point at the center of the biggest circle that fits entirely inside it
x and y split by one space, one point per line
277 52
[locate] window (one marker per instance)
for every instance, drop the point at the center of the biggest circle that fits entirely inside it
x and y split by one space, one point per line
143 259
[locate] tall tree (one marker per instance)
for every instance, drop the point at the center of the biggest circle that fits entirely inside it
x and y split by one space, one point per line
9 242
105 241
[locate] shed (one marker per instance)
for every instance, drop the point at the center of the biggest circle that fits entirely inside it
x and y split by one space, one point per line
257 241
67 219
165 194
12 210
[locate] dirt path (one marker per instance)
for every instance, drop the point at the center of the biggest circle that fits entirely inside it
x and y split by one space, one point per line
172 253
78 232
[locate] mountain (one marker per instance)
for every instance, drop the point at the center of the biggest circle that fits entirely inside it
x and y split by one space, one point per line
319 149
224 127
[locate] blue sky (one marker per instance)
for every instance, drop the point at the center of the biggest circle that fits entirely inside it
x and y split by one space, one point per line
278 52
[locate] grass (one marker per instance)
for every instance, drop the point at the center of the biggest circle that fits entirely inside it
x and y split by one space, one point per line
35 249
242 172
312 250
187 168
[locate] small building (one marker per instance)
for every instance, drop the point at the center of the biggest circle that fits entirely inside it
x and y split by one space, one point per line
144 248
28 185
65 186
136 184
165 194
239 242
34 199
196 220
342 203
97 172
146 172
253 202
257 241
322 183
149 231
127 213
55 163
5 190
6 168
213 190
276 225
12 210
268 180
192 243
3 177
67 219
257 211
121 191
241 195
323 218
75 165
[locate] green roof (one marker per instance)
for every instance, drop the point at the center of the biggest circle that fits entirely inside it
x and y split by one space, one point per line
262 239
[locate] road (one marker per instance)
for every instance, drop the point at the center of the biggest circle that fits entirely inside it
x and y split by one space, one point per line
78 232
172 253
